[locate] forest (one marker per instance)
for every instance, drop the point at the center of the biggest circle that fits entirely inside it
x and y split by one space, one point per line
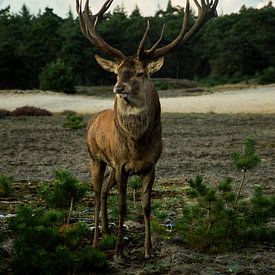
230 48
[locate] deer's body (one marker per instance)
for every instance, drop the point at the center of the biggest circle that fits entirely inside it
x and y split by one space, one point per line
128 138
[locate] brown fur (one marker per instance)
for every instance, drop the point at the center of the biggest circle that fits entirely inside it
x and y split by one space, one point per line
128 140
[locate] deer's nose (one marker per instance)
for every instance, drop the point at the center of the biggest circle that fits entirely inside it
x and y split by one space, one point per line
119 88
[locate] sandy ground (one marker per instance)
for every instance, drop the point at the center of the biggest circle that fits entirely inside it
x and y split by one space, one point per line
252 100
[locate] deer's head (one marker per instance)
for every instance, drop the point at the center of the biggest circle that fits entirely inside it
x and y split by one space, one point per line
133 71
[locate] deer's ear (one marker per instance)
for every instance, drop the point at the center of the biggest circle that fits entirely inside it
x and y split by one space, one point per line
107 65
155 66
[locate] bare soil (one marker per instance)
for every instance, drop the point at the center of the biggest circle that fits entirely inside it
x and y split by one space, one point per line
194 144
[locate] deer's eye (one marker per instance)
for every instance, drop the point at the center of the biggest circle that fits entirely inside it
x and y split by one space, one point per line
140 74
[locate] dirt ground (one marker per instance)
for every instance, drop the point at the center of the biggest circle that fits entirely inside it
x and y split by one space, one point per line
194 144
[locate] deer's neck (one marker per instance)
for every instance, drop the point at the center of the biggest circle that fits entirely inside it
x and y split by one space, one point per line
140 119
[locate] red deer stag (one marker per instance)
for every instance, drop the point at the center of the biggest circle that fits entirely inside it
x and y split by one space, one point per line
128 138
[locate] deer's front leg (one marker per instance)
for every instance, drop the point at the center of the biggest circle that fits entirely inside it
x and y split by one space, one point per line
121 179
97 170
147 185
107 185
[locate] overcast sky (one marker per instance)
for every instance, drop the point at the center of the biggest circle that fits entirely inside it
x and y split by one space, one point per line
147 7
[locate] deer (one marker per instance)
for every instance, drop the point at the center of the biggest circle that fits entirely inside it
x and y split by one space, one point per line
127 140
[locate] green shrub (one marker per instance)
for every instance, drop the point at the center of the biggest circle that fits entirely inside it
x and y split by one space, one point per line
161 85
113 202
108 242
158 229
5 185
64 188
212 223
267 76
247 159
74 121
57 76
134 182
218 220
244 161
65 191
41 247
30 111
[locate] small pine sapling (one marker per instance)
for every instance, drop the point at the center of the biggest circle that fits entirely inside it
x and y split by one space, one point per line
74 121
65 191
134 183
43 246
5 185
244 161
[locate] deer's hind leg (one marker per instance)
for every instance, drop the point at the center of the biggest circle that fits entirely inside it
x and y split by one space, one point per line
97 170
121 179
108 183
147 185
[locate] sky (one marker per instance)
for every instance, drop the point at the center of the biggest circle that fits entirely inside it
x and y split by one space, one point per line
147 7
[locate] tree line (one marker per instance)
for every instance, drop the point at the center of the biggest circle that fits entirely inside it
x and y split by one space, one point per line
230 48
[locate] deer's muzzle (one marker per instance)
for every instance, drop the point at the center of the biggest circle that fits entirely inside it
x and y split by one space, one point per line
122 89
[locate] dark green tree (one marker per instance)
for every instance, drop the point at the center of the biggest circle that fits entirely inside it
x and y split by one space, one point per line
57 76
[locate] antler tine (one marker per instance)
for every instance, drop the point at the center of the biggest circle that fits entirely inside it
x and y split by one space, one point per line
206 9
155 53
105 7
154 47
198 5
143 41
88 23
79 11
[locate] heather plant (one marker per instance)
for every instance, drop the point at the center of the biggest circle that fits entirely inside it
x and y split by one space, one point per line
74 121
43 246
5 185
30 111
65 191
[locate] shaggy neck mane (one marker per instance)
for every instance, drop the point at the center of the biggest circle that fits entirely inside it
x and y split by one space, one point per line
137 122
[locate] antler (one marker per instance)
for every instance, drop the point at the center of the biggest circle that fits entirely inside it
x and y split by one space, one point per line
88 23
206 9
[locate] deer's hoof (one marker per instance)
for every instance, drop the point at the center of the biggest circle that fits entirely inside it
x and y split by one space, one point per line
147 256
